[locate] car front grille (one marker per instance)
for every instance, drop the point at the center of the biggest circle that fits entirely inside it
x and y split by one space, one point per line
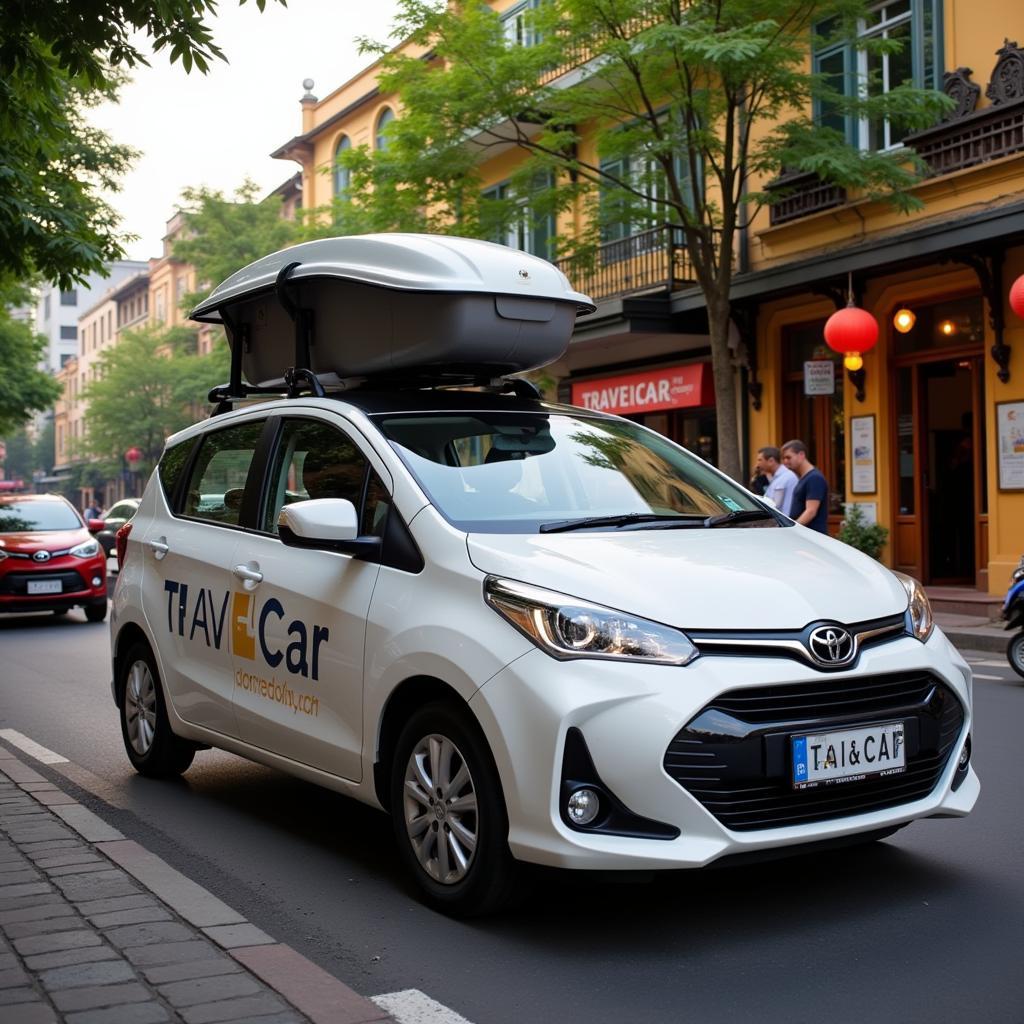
16 583
734 756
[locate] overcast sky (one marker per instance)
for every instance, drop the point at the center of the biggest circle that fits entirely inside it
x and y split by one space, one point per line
219 128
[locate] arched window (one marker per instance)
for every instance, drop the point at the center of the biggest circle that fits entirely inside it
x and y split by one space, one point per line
342 175
387 115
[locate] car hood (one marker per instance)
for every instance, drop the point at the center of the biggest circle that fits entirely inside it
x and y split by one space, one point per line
731 578
44 540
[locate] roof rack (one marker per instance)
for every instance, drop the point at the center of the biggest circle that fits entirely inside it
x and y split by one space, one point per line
298 382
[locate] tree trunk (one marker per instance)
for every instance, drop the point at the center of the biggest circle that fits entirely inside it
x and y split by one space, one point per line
725 386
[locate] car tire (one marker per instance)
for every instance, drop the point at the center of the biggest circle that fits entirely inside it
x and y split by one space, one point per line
152 747
96 612
449 815
1015 653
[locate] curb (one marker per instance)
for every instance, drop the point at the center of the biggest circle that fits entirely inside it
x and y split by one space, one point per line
311 990
992 642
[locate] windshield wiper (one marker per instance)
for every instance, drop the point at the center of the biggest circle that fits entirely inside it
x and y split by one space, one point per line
738 516
623 519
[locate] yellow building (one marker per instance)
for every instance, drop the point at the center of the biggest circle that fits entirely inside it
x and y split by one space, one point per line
924 436
170 280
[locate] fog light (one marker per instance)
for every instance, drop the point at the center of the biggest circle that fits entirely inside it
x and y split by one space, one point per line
583 806
965 755
96 581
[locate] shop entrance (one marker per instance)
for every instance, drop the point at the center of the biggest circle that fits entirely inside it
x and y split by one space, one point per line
941 522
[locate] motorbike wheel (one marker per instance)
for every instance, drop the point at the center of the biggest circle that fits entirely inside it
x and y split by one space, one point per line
1015 654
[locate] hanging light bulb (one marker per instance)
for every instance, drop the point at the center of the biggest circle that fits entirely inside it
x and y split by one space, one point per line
904 320
947 327
853 361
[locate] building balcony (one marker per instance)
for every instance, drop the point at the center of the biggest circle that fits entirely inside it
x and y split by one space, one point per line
802 193
976 138
655 260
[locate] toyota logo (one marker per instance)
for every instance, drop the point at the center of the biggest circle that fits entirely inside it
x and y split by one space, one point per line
831 645
41 556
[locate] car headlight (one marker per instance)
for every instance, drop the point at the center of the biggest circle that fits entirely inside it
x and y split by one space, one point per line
566 628
86 549
919 611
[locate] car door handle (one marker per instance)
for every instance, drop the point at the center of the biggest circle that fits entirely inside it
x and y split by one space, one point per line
160 547
249 574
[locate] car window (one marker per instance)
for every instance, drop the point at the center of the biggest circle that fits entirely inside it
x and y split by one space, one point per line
501 472
216 484
122 510
171 466
313 460
36 516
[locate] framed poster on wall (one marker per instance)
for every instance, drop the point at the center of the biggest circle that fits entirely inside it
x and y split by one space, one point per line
1010 436
862 455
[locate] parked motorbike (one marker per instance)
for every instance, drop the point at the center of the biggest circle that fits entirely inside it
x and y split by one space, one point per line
1013 612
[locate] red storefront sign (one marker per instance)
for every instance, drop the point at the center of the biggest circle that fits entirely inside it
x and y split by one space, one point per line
678 387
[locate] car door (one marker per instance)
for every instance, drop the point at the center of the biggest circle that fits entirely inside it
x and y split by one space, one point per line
188 587
299 652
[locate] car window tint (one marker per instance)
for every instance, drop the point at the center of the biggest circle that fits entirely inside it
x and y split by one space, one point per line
375 511
171 466
123 510
217 483
313 460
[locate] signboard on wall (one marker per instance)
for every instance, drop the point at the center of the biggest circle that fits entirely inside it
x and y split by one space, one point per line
819 377
678 387
862 450
1010 432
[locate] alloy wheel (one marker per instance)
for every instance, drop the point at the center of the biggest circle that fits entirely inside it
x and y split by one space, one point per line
440 804
140 707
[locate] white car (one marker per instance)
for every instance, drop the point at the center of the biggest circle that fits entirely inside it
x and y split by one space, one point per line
530 632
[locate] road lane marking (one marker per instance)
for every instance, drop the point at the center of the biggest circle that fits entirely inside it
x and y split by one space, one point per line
1001 679
31 748
989 663
411 1006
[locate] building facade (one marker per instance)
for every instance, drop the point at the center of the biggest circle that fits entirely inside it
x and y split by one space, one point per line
57 311
926 437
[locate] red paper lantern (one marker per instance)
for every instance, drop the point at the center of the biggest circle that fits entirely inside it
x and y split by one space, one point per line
1017 296
133 455
850 332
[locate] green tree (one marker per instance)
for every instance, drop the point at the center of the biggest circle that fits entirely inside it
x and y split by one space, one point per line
24 389
19 463
146 390
223 235
57 59
44 449
687 101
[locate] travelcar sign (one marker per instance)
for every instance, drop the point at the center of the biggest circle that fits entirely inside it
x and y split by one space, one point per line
677 387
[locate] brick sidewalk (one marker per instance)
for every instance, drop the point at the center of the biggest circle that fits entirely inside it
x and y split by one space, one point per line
96 930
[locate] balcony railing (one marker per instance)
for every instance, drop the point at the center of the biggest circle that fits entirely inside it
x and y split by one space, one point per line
577 56
656 260
805 193
984 135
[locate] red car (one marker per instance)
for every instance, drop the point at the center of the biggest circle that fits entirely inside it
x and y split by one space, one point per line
49 560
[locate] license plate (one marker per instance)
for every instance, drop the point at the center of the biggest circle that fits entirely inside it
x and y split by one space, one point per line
44 586
826 758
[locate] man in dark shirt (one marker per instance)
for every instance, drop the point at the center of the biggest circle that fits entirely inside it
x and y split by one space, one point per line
810 496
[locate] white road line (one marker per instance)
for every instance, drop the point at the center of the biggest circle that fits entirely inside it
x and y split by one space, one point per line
412 1006
1001 679
31 748
990 664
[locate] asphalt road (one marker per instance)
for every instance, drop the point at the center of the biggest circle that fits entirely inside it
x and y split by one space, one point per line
926 926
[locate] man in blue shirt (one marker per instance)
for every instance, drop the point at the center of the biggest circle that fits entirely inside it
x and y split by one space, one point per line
810 496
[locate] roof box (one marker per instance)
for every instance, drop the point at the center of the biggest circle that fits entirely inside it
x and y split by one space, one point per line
396 305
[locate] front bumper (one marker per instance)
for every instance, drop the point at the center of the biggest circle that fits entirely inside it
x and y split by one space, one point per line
75 576
630 715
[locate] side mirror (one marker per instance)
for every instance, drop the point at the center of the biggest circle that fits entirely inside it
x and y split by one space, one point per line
95 525
330 524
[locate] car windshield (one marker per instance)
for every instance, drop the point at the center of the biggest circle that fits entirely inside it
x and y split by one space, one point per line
37 516
528 472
